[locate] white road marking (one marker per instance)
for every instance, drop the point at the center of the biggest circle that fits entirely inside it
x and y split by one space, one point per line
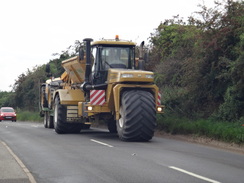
102 143
193 174
21 164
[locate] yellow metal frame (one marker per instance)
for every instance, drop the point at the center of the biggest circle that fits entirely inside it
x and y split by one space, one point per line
113 42
70 96
75 69
115 76
96 109
115 105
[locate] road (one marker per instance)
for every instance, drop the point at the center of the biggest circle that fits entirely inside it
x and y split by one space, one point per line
97 156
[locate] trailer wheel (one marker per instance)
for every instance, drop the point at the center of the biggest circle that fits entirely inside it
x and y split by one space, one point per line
85 126
138 116
60 124
45 119
112 126
44 102
50 121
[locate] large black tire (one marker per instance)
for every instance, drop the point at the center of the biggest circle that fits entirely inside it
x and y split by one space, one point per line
138 116
60 124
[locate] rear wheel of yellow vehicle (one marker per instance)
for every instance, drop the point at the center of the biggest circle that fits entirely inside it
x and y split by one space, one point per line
137 116
60 124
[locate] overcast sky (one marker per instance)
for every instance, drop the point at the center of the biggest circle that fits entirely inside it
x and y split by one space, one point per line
32 30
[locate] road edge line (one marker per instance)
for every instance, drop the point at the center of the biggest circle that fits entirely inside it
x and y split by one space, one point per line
21 164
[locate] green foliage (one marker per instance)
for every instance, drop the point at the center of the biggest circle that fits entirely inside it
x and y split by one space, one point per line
173 99
6 99
26 89
174 39
232 107
28 116
202 60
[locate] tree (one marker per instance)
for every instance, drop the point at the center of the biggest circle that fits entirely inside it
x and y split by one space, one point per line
199 63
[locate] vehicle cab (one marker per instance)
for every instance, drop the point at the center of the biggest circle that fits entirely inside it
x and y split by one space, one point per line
111 53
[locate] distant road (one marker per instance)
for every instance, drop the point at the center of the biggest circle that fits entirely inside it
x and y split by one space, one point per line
97 156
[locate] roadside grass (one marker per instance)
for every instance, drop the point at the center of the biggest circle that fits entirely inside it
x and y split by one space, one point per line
218 130
28 116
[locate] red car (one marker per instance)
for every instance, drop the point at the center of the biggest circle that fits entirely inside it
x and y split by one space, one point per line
7 113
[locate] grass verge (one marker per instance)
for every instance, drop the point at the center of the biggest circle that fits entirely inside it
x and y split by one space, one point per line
28 116
223 131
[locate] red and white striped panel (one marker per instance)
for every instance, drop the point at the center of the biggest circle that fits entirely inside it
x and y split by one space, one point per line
159 98
97 97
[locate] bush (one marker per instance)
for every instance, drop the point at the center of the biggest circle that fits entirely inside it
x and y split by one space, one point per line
28 116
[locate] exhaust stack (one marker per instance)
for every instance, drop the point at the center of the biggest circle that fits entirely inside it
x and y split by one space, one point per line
88 58
141 62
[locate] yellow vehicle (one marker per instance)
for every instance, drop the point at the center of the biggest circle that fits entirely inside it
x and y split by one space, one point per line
104 82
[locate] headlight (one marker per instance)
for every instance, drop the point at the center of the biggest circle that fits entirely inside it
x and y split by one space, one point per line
159 109
126 75
89 108
150 76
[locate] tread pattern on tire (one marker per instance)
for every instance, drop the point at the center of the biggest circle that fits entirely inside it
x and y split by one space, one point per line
139 116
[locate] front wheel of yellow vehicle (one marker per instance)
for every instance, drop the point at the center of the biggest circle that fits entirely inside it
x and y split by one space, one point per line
137 116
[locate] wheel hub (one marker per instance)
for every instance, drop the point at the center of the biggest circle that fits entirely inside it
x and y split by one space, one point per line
121 120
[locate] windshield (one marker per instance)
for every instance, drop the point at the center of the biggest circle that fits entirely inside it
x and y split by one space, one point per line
7 110
107 56
117 57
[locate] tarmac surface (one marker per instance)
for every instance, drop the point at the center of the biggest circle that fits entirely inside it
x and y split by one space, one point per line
12 169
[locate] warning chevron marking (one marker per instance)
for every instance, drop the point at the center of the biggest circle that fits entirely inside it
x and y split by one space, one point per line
97 97
159 98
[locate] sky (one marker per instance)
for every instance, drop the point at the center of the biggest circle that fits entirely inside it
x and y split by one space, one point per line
31 31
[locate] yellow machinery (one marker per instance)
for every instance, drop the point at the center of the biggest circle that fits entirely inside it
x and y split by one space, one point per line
104 82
